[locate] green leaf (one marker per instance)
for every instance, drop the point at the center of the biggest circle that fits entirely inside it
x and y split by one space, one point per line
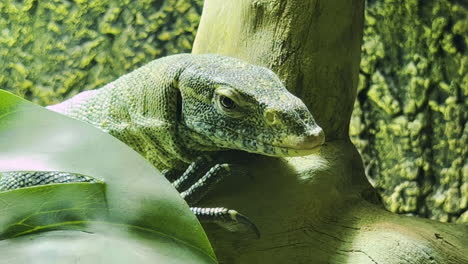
132 215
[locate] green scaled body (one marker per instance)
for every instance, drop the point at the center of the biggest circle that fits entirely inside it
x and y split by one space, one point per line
184 109
181 107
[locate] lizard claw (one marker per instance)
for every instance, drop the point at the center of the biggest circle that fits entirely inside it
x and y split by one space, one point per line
240 223
230 220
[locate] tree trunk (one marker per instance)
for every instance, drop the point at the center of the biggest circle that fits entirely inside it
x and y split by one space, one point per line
319 208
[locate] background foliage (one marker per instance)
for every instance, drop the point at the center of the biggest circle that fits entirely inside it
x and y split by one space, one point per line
410 117
52 50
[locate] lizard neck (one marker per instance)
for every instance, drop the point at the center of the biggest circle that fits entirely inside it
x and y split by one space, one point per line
140 110
196 142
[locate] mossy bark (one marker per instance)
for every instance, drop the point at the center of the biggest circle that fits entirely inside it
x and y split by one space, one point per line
51 50
410 122
319 208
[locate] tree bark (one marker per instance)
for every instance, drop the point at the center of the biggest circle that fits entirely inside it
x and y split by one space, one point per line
412 101
319 208
52 50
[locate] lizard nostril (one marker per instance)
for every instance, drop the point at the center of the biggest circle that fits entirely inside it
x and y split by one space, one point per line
312 140
320 134
271 117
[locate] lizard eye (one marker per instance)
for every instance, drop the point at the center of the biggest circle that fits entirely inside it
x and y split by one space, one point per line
227 102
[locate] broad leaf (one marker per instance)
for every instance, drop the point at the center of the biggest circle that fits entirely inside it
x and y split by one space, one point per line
132 215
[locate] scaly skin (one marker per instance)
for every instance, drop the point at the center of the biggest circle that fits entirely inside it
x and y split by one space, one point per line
173 110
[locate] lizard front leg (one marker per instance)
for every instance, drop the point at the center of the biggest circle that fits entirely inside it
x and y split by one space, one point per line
193 188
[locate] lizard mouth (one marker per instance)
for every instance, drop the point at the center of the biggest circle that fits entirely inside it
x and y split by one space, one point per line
301 146
284 151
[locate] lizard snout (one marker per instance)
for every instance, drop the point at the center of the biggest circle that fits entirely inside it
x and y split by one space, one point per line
316 138
307 142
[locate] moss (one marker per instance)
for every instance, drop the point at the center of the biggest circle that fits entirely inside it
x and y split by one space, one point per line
379 93
412 112
52 50
404 197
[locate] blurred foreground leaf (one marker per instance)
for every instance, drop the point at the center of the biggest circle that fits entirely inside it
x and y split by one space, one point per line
132 216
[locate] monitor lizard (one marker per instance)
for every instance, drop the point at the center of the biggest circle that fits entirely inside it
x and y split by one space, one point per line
181 111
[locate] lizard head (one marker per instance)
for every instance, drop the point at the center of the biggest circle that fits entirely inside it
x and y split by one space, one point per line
230 104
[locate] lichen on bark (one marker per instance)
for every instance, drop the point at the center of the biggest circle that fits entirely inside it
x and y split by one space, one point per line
410 117
51 50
